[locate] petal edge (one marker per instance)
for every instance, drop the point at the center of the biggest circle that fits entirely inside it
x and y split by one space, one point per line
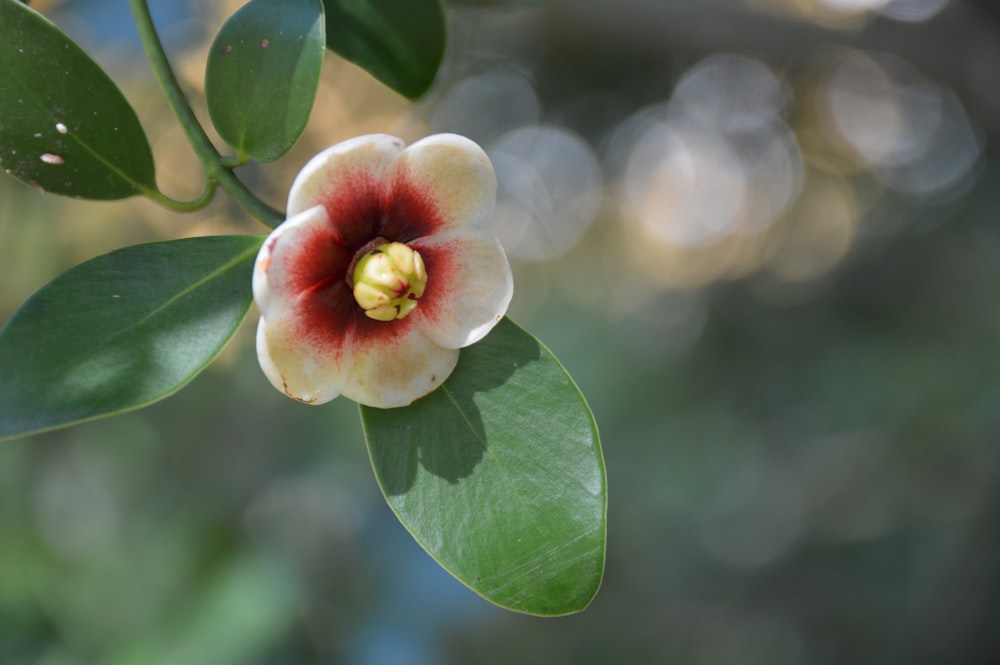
470 286
452 179
354 163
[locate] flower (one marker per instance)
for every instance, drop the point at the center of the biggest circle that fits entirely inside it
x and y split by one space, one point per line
381 272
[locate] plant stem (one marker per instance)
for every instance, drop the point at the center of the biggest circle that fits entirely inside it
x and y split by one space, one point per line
203 199
217 167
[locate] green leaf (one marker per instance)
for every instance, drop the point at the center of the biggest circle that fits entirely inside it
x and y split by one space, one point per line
498 474
399 42
65 127
263 73
122 330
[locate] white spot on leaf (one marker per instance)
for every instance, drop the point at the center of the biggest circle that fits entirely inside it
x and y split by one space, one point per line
49 158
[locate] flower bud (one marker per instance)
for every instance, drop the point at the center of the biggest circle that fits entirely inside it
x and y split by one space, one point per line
388 280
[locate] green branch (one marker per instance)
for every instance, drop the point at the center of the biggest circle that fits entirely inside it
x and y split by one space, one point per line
217 167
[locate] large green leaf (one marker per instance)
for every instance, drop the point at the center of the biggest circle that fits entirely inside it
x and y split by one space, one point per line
64 125
399 42
263 73
498 474
122 330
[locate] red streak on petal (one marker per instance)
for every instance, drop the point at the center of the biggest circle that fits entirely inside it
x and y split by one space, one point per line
370 333
443 278
317 265
272 241
410 212
354 209
331 319
327 315
311 259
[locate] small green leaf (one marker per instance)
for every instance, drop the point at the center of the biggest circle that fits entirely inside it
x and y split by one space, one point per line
65 127
263 73
122 330
498 474
399 42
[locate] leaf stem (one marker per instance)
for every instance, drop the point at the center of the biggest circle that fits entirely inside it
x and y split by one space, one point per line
183 206
218 168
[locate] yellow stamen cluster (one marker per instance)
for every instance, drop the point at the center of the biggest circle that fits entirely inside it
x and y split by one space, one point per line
388 280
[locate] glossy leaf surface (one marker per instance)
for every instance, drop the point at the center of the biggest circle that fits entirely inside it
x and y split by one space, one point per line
262 75
498 474
122 330
399 42
65 127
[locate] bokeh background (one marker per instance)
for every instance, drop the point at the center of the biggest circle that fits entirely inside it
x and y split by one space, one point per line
763 237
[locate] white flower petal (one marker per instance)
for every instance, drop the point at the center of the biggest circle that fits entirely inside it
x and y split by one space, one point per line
296 374
347 166
282 269
469 286
450 174
383 369
395 373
